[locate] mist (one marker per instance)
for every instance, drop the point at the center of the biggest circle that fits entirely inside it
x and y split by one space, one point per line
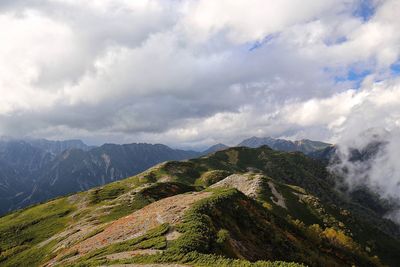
371 159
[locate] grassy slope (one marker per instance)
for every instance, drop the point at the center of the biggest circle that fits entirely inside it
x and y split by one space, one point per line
22 231
295 169
229 224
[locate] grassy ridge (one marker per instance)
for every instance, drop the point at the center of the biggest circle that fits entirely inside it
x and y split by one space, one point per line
209 236
142 198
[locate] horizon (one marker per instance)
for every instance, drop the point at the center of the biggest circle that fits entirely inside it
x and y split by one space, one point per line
197 149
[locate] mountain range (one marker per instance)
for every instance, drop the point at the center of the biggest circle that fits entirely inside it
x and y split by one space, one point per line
234 207
35 170
306 146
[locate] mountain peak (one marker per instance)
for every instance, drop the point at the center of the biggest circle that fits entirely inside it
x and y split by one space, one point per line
215 148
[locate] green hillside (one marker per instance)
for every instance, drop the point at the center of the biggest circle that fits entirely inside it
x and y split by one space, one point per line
237 207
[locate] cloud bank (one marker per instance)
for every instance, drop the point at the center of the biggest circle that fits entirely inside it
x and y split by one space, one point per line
192 73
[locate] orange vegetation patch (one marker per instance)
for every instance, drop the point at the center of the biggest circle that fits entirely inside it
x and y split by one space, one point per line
169 210
130 254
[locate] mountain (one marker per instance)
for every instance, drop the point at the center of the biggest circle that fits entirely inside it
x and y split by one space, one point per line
23 157
57 147
306 146
33 171
11 186
230 208
325 154
20 166
215 148
77 170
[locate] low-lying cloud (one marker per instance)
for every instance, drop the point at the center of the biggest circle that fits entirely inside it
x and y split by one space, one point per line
371 161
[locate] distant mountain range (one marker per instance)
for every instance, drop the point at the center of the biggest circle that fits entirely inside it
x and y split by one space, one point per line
32 171
21 164
306 146
35 170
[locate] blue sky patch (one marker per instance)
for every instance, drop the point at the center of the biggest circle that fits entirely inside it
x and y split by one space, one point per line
336 41
260 43
353 76
365 10
395 68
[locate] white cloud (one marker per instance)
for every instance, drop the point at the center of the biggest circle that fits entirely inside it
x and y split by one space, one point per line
245 21
365 120
183 72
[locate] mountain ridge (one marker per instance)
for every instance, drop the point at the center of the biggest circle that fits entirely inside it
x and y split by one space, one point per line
34 170
72 170
304 145
222 209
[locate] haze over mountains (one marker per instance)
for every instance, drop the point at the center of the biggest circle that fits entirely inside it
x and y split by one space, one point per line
35 170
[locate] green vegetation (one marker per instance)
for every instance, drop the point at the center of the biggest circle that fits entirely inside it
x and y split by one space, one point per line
108 192
113 190
22 230
211 177
203 260
124 208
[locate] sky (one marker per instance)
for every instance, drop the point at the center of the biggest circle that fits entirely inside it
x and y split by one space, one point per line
192 73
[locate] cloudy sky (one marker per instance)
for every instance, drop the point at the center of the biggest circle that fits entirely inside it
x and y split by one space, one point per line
190 73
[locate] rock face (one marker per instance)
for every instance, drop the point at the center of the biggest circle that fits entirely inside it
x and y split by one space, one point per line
249 184
252 185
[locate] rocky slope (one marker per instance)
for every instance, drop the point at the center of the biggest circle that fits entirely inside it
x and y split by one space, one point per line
237 207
